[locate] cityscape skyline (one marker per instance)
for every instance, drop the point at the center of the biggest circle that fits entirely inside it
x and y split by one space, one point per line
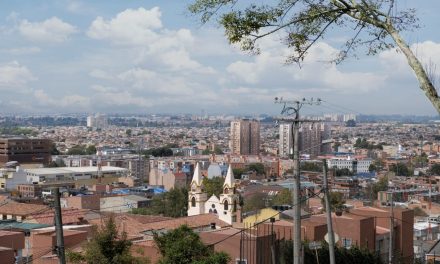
150 56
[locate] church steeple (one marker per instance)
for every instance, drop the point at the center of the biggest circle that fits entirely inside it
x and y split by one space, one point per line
197 196
229 199
229 180
197 176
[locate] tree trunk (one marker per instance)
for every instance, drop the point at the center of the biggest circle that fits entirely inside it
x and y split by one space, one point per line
424 81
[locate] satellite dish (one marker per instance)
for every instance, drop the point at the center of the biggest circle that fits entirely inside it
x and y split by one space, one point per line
326 238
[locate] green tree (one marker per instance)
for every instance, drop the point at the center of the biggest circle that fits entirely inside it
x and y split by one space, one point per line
380 185
173 203
237 173
107 246
372 167
343 172
76 150
435 169
377 25
54 150
90 150
257 167
183 246
337 201
350 123
283 197
213 186
401 169
311 166
255 202
128 132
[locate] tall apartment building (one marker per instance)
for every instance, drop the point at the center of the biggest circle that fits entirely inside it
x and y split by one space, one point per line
285 145
310 139
245 137
97 121
25 150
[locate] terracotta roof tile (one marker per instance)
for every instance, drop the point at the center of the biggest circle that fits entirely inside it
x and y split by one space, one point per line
21 209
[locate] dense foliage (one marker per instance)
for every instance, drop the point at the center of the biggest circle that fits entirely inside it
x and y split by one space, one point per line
213 186
354 255
183 246
107 247
172 204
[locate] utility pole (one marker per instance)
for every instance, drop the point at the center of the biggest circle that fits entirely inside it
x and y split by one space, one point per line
390 253
59 227
331 235
293 112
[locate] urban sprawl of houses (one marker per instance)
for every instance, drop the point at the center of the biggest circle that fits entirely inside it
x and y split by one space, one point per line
116 166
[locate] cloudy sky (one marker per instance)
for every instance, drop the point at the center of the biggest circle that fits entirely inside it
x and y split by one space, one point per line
64 56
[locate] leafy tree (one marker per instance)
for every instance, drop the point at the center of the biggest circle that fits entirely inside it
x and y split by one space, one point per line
372 167
54 150
343 172
354 255
381 185
283 197
435 169
218 150
213 186
90 150
76 150
128 132
419 212
237 173
350 123
55 164
257 167
400 169
255 202
377 25
158 152
183 246
107 247
172 204
206 152
311 166
337 201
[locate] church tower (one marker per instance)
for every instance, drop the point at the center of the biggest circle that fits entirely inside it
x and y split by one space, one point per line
197 196
228 199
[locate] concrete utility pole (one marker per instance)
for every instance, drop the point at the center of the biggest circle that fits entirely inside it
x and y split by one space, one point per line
59 227
390 253
331 235
294 111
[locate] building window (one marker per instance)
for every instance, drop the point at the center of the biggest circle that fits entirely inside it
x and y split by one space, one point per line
226 205
193 202
346 243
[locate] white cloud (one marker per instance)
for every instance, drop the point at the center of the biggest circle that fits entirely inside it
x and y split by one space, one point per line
123 98
100 74
51 30
267 69
132 26
13 76
72 101
138 77
21 50
395 62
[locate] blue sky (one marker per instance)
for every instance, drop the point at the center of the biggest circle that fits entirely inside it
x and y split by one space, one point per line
69 56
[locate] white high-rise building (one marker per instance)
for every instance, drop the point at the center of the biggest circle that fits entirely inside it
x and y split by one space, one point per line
97 121
285 145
